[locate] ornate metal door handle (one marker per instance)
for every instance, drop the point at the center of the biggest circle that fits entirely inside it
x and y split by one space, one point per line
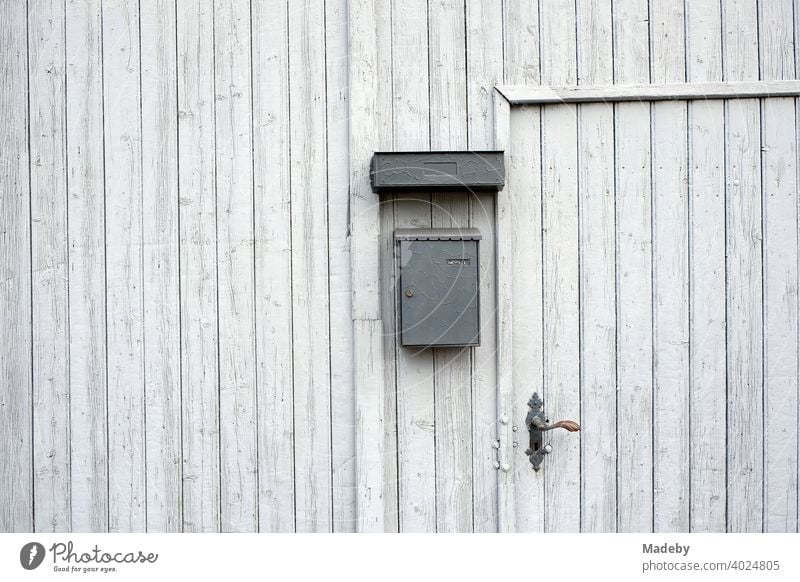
538 424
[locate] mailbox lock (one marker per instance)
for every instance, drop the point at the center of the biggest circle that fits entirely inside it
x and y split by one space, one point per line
409 292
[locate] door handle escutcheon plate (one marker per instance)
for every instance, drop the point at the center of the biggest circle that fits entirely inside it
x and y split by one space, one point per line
538 423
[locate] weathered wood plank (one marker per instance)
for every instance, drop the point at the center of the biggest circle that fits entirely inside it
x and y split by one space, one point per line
198 265
273 302
560 268
341 346
452 368
780 222
744 274
87 258
310 329
383 139
124 267
597 285
16 483
49 266
452 385
235 264
634 275
707 429
670 318
779 163
505 211
520 267
369 379
161 284
521 43
413 369
670 275
561 324
484 24
518 210
527 95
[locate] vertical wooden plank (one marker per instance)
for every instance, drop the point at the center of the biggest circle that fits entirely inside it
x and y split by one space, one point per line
273 269
744 273
707 457
50 292
161 285
519 269
634 276
16 483
310 269
670 275
413 369
519 264
780 223
198 265
341 346
87 258
560 268
484 71
235 284
506 461
452 367
597 284
452 382
384 101
124 268
521 43
366 132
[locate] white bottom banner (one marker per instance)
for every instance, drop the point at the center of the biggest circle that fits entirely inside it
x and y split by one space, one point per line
388 557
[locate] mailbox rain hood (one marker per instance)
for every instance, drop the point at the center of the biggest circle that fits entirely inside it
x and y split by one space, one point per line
456 171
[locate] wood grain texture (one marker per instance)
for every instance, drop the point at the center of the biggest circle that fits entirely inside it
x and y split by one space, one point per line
124 266
341 334
780 223
273 243
16 470
384 123
235 266
87 277
49 266
521 43
780 249
703 91
484 25
364 229
634 275
198 265
161 267
310 319
452 367
199 281
670 275
412 370
598 296
744 221
520 268
560 268
707 315
504 398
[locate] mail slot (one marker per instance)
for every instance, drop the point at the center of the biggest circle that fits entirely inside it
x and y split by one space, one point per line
438 287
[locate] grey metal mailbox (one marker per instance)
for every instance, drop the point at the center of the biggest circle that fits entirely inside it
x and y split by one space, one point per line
438 286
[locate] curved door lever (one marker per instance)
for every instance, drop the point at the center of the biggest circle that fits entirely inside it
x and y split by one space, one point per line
568 425
538 424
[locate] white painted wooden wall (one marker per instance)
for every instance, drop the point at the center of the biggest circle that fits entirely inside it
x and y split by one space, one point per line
197 327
